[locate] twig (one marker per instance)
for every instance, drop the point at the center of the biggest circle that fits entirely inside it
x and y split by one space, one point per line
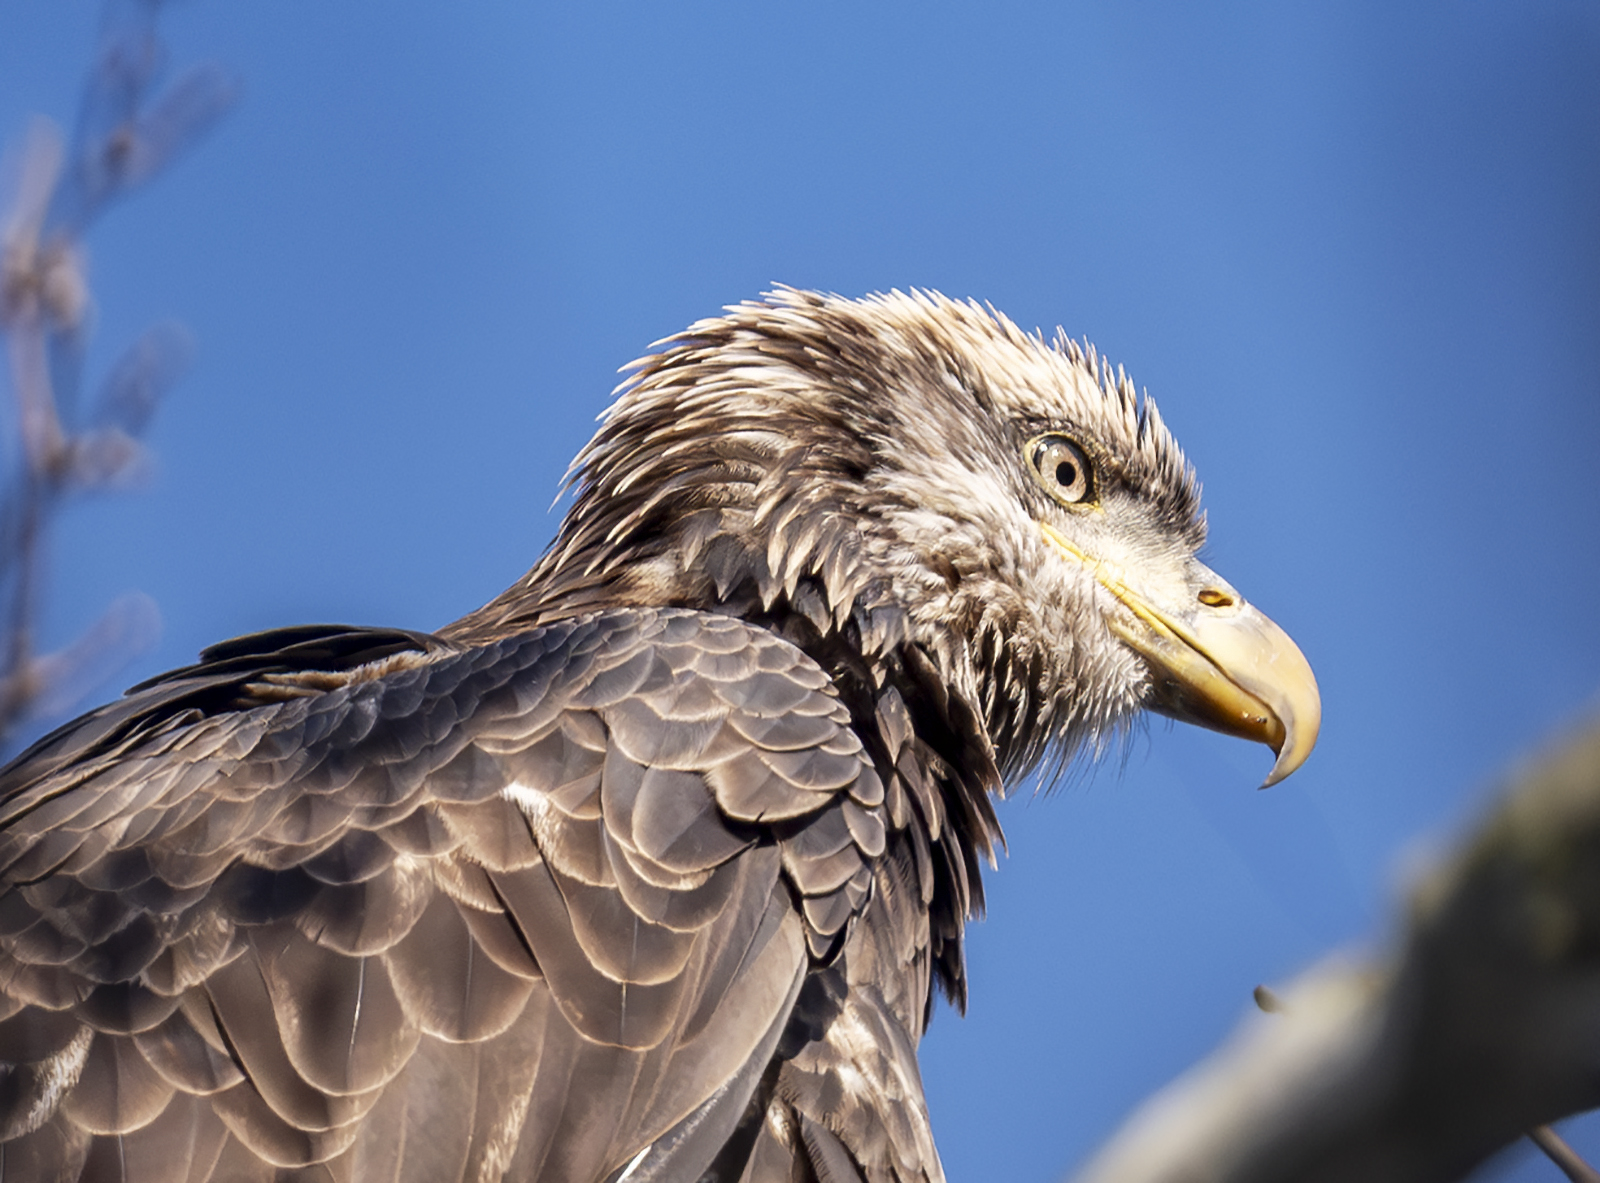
129 128
1563 1155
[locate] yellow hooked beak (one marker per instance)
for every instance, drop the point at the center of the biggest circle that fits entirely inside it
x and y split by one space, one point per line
1216 661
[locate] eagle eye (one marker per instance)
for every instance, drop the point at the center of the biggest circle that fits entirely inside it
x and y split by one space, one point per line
1060 466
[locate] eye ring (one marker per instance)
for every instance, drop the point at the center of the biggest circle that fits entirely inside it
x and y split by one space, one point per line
1062 470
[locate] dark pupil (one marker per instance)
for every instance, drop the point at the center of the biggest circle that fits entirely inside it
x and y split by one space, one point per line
1066 473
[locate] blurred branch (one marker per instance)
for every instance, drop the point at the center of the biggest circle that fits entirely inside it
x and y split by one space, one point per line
1483 1025
1556 1149
130 126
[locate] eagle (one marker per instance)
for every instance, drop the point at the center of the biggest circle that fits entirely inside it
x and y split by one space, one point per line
653 867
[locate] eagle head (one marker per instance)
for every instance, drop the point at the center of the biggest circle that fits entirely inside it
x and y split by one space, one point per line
912 474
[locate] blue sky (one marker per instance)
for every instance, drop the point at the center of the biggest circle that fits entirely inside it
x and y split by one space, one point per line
1353 250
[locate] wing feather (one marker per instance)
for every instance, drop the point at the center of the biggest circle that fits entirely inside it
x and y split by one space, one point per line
117 1089
676 824
186 1059
447 985
687 905
185 1136
343 1026
533 907
245 1018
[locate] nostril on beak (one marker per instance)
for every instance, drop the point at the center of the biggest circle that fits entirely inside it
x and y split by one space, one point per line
1212 598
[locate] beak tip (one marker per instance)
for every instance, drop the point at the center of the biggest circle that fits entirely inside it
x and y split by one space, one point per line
1295 747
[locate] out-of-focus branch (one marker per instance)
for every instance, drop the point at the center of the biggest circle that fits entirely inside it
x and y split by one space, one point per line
1556 1149
129 128
1484 1024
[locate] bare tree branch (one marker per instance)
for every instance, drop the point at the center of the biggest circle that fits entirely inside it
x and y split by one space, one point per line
1484 1024
129 128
